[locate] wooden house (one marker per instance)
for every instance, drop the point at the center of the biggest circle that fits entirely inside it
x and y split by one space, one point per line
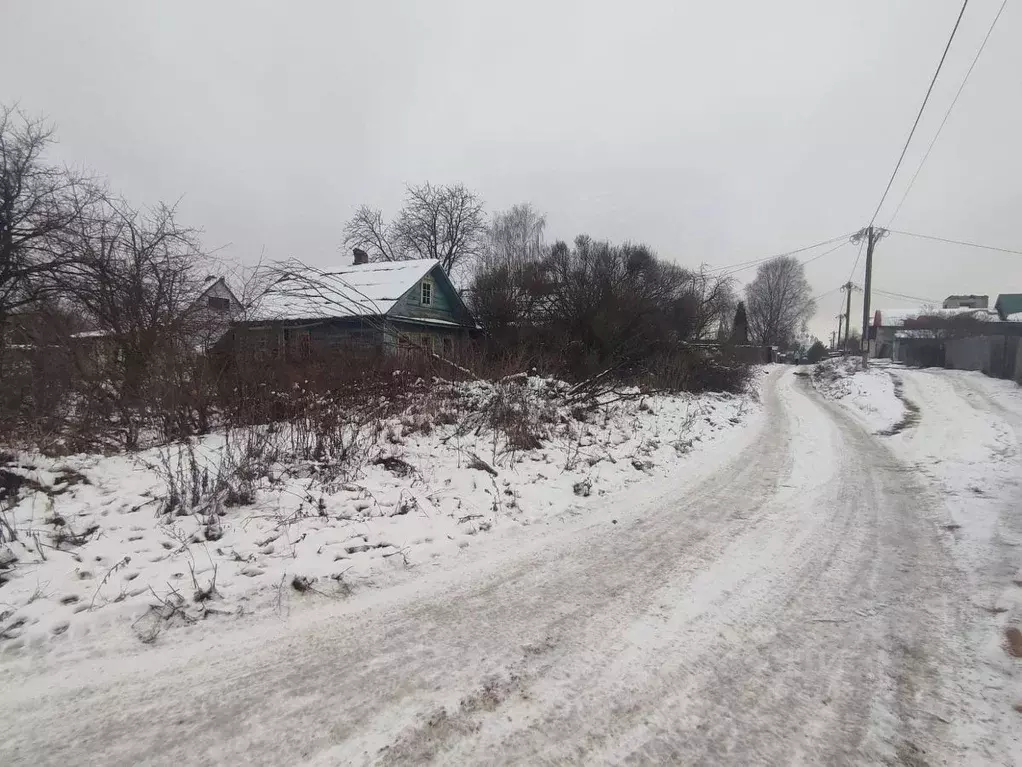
390 306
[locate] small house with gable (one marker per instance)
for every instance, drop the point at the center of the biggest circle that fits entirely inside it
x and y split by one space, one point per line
390 306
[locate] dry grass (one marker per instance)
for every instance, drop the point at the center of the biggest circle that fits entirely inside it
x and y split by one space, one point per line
1013 641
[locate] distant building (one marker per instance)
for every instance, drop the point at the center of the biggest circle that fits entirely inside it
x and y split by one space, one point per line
961 338
891 326
200 325
967 302
209 315
1009 307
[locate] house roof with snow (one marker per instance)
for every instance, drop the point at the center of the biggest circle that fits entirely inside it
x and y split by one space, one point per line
363 290
899 318
967 297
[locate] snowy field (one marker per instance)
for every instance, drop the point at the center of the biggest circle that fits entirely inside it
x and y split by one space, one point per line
143 544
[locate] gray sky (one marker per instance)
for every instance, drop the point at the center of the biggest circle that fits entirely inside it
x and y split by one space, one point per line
717 132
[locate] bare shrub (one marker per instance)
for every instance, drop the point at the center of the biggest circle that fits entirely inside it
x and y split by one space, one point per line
39 202
596 310
519 412
11 483
206 482
325 436
135 275
206 592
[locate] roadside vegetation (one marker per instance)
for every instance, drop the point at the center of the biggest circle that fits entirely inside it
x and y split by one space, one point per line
140 465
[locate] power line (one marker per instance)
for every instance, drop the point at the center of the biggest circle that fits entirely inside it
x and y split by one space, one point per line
825 253
814 299
740 266
947 114
891 294
824 295
958 242
807 261
857 257
920 114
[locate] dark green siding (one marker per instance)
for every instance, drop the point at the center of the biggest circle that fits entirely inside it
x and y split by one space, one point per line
445 305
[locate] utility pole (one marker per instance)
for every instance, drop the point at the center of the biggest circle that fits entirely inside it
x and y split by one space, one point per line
832 337
872 235
840 317
848 314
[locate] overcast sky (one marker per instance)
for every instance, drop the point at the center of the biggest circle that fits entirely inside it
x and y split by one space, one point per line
717 132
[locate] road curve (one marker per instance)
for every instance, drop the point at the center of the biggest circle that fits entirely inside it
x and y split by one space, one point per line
797 606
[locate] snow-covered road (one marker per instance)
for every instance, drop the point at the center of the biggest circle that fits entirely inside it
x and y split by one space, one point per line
799 604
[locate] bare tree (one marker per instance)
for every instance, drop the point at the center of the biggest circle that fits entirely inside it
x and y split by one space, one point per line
611 305
445 223
502 290
367 230
38 203
135 276
514 238
716 300
779 302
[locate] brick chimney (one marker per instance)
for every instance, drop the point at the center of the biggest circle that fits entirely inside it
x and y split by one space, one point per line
361 257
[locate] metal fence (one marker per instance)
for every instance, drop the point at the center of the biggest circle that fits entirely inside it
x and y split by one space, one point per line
992 349
997 356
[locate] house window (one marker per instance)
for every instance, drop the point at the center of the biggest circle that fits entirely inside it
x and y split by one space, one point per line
219 304
404 343
427 293
448 346
426 342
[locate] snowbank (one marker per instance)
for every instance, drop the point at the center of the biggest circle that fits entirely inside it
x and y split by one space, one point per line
873 395
100 543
